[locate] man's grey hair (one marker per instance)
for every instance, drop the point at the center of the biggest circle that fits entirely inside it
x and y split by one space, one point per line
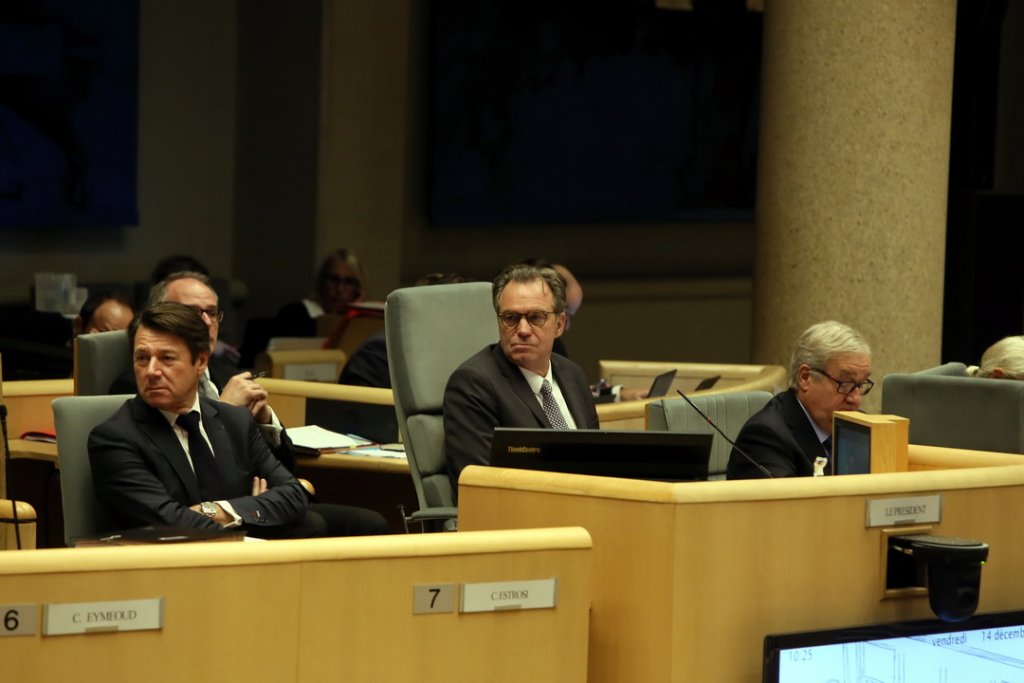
821 342
158 292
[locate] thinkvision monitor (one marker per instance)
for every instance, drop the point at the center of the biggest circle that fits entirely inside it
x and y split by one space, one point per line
660 456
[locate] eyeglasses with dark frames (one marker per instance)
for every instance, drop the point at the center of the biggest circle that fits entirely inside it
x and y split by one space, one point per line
212 312
846 387
510 319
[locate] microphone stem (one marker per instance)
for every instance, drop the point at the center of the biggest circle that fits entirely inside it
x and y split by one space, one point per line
732 443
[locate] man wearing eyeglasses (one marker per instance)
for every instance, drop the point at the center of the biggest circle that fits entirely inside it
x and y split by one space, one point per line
829 371
517 382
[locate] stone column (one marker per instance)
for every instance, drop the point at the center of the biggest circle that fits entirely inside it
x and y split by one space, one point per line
852 177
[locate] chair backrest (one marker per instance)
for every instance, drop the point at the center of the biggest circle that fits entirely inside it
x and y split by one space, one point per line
100 358
958 412
730 411
74 418
430 332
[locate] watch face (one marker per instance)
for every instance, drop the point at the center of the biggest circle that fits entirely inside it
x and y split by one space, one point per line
209 509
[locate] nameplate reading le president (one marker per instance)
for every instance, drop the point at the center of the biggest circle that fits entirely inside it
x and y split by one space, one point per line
509 595
103 617
909 510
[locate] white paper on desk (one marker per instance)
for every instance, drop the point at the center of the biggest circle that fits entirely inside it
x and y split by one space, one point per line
377 452
318 438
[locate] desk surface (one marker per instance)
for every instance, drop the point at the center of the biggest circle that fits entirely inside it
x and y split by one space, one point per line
354 461
37 450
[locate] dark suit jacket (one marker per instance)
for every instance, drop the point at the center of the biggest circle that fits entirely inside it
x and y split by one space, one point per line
142 476
489 391
368 365
779 437
221 373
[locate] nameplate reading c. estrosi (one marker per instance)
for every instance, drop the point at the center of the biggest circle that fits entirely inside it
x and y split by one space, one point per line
101 617
509 595
907 510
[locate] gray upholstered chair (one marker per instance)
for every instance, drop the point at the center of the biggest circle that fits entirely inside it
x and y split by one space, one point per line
958 412
730 411
430 332
74 417
100 358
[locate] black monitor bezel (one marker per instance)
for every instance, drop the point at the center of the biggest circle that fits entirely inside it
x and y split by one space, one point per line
606 459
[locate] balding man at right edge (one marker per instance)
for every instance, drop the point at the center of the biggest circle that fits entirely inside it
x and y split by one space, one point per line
830 370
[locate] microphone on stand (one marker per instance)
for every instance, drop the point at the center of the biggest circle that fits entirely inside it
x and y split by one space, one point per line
732 443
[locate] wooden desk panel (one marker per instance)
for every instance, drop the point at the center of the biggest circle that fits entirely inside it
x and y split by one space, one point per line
320 610
689 578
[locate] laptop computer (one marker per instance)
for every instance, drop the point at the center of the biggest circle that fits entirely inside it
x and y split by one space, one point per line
662 384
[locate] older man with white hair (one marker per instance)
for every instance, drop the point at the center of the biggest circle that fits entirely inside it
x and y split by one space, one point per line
829 371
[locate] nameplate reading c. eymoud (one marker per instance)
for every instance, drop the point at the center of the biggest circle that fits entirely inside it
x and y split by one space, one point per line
910 510
509 595
102 617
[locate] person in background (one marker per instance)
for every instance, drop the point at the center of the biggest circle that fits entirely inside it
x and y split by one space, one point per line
340 282
603 392
104 311
368 365
1002 360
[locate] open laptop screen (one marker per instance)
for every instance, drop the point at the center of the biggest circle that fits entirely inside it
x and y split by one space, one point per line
660 456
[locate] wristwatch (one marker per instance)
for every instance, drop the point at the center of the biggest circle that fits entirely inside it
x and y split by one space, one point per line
208 509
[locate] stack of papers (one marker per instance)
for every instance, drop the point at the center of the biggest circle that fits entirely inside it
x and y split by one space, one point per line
314 440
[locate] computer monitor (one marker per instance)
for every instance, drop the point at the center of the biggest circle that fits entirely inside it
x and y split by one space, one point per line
863 443
852 447
987 647
660 456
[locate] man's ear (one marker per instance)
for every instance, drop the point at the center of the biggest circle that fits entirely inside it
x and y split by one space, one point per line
202 362
803 377
561 324
998 373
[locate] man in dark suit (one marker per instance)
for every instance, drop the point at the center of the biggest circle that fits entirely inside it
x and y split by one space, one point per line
517 382
221 381
151 465
792 435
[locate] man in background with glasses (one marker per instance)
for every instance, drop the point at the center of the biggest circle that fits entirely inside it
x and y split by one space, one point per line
221 381
829 371
517 382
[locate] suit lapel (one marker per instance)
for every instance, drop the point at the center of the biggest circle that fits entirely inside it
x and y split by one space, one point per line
570 394
520 387
156 428
801 428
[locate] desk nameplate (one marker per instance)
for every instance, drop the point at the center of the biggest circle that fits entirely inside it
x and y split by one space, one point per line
100 617
509 595
904 510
